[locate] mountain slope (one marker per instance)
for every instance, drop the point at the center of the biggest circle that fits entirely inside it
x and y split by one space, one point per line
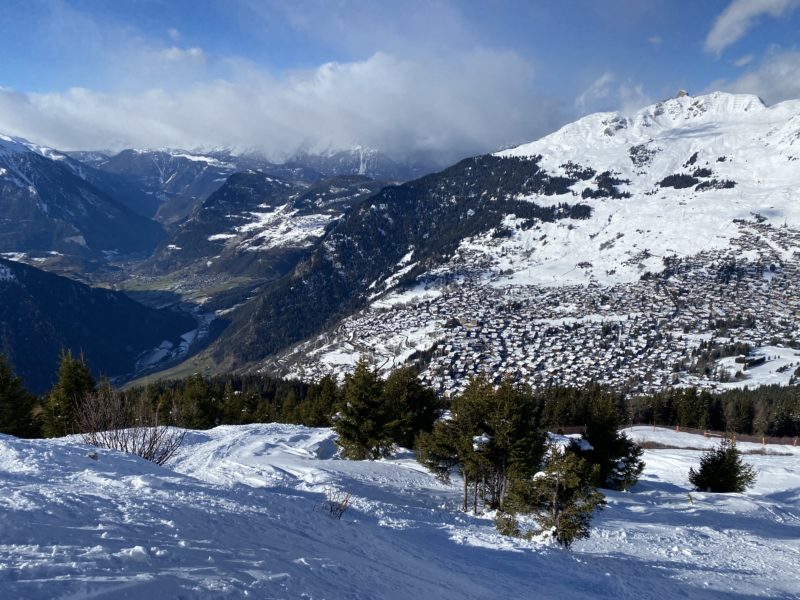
357 161
255 229
48 206
237 514
177 180
41 313
394 235
677 237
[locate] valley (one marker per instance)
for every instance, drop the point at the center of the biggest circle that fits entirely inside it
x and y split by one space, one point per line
639 252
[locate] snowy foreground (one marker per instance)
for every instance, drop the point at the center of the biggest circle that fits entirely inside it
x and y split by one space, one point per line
236 515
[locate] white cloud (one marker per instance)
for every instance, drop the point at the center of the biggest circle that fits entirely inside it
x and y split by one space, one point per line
474 102
173 34
744 60
631 97
655 40
775 79
598 91
740 15
605 93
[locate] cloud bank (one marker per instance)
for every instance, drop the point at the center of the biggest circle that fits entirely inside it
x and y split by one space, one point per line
734 22
475 102
775 79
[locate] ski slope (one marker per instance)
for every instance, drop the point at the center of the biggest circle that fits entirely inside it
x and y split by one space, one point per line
236 514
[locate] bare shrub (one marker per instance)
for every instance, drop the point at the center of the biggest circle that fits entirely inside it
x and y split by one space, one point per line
107 421
336 502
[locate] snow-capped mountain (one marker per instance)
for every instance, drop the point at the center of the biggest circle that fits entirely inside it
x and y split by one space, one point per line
176 179
51 202
624 249
256 227
358 160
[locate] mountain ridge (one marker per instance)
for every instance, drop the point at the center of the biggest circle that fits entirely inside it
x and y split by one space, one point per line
676 197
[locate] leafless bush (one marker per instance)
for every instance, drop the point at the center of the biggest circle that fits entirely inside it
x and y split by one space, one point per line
336 502
108 422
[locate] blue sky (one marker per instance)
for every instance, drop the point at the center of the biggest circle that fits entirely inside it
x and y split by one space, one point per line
445 78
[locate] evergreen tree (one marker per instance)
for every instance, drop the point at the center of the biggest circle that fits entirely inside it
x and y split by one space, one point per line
451 444
413 407
233 407
722 470
561 498
515 441
491 436
363 417
618 458
195 407
320 408
74 382
16 404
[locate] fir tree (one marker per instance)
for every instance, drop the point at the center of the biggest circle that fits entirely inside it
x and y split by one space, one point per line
516 443
319 409
233 407
362 419
491 437
74 382
196 407
562 498
16 404
617 457
413 407
722 470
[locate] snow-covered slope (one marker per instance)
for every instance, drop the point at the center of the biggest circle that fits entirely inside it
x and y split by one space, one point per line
720 137
235 515
251 231
689 227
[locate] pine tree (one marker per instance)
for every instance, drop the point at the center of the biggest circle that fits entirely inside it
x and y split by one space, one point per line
362 419
320 409
516 442
16 404
412 406
195 406
491 436
722 470
617 457
74 382
562 498
233 407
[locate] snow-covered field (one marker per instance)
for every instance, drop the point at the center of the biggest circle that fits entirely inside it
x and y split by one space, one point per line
236 515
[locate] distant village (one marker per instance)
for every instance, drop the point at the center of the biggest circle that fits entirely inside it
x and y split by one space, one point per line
667 328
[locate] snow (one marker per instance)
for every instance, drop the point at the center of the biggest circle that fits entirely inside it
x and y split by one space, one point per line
236 514
780 365
275 228
221 236
209 160
760 146
413 295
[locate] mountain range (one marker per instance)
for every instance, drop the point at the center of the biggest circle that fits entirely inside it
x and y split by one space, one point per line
637 250
53 203
610 250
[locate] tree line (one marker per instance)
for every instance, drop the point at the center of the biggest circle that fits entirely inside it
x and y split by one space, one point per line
496 438
199 402
767 410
